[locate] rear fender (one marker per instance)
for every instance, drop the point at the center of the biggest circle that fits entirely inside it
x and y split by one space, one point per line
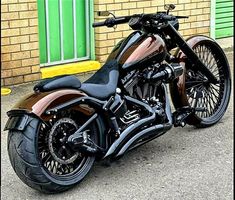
37 103
34 106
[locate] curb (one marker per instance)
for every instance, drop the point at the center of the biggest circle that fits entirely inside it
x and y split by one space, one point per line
5 91
226 43
71 68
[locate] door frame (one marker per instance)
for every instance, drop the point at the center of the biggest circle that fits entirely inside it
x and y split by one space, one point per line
212 19
90 39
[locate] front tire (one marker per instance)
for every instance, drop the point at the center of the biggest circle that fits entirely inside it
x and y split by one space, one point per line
23 150
199 92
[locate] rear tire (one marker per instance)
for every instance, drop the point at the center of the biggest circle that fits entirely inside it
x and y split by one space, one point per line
24 158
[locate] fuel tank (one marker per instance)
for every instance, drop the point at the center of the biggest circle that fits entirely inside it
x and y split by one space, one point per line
139 50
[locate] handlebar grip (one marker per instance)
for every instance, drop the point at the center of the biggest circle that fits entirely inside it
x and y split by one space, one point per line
181 17
110 22
97 24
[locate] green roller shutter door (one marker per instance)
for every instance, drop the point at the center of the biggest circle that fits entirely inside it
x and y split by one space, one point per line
64 31
224 18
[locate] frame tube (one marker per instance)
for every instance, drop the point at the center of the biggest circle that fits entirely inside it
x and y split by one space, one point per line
170 30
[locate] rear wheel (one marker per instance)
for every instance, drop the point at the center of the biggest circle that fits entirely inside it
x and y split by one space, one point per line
200 93
42 159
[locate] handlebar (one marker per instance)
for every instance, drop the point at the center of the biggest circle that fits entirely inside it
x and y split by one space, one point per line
97 24
163 17
110 22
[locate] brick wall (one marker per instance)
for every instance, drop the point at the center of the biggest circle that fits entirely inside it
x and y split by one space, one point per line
106 38
19 42
19 31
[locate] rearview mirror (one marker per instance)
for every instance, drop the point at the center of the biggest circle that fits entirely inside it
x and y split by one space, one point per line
103 13
169 7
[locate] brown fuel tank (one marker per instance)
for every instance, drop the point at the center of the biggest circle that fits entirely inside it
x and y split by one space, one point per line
139 49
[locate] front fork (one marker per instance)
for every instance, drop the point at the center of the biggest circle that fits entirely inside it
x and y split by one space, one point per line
188 51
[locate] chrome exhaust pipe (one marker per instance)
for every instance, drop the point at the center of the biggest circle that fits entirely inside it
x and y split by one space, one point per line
130 136
152 131
128 133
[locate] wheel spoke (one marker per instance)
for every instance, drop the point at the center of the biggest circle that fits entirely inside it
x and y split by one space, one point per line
58 158
192 87
201 93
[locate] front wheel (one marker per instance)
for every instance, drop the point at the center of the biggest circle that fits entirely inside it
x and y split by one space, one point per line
198 92
42 159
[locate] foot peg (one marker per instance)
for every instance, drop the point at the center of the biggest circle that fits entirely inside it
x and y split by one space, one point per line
179 119
182 124
181 114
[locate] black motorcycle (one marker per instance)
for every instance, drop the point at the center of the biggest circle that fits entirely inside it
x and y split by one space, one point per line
57 132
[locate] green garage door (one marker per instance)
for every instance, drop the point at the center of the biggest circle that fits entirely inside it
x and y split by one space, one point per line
224 18
64 31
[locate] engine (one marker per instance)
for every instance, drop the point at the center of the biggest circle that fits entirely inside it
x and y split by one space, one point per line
142 87
137 86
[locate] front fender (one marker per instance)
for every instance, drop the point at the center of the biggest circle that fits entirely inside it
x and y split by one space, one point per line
192 42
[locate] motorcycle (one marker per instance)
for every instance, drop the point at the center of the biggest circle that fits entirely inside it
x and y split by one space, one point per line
59 131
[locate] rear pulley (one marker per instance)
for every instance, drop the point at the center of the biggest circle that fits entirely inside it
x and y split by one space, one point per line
57 141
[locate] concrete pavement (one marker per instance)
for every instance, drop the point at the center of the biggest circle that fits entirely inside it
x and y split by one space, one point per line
185 163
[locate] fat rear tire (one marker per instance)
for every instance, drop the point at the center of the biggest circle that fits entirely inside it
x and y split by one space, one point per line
22 150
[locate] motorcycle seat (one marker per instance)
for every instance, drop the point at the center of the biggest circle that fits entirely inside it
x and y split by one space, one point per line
104 82
101 85
58 82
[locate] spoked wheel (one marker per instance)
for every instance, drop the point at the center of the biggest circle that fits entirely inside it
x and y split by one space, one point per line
212 99
42 158
56 156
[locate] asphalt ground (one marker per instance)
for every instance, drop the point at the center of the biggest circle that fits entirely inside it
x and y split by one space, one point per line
185 163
